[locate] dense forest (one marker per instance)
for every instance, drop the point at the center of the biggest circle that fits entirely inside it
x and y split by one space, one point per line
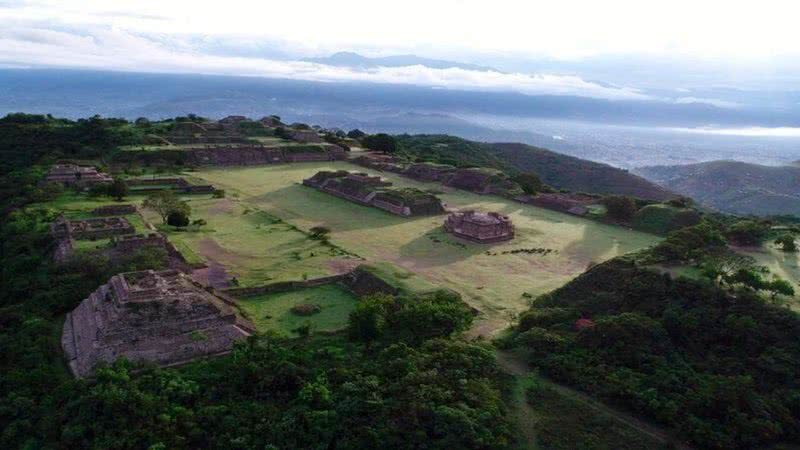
721 368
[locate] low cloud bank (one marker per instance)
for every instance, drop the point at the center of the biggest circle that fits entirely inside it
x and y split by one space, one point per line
116 49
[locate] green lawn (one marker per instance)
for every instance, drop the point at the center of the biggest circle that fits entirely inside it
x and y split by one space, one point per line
492 282
271 312
253 246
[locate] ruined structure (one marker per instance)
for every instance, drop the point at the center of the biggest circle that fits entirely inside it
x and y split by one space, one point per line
305 136
429 171
74 175
114 210
575 204
480 227
98 228
232 120
271 122
257 154
203 133
373 191
483 181
162 317
180 185
128 244
379 161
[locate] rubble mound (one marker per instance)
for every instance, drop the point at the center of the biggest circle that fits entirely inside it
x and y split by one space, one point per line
161 317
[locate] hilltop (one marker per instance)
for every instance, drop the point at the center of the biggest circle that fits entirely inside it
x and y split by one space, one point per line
556 169
732 186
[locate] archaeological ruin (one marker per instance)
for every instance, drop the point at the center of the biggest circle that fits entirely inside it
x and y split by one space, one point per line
430 172
374 191
203 133
570 203
163 317
96 228
74 175
483 181
480 227
114 210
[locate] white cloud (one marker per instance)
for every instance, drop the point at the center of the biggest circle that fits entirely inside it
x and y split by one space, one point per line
566 29
709 101
116 49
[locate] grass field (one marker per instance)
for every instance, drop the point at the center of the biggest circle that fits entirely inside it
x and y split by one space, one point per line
271 312
490 280
252 245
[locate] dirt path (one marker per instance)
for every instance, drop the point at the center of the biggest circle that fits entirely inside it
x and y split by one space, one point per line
514 365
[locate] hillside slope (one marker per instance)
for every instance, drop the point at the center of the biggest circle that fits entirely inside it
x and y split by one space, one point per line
732 186
576 174
557 170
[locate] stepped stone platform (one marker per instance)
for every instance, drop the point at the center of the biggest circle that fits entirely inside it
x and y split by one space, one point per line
74 175
373 191
161 317
97 228
480 227
114 210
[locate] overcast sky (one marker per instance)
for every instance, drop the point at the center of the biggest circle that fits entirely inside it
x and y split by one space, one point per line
269 38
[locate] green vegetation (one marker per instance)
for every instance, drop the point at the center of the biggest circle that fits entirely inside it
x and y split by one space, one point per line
554 169
167 205
273 312
682 352
661 218
380 142
253 246
530 183
620 208
786 242
563 422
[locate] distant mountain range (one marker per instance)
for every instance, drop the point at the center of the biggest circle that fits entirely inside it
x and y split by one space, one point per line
732 186
350 59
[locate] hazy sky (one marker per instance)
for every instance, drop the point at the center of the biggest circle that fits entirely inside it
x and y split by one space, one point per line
268 38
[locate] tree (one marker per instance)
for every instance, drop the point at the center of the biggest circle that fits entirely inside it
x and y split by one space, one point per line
166 202
356 134
380 142
118 189
779 286
748 232
529 182
787 242
620 207
178 219
723 265
366 323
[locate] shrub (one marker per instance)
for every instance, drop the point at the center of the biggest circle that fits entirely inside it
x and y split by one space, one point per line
305 309
529 182
219 193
